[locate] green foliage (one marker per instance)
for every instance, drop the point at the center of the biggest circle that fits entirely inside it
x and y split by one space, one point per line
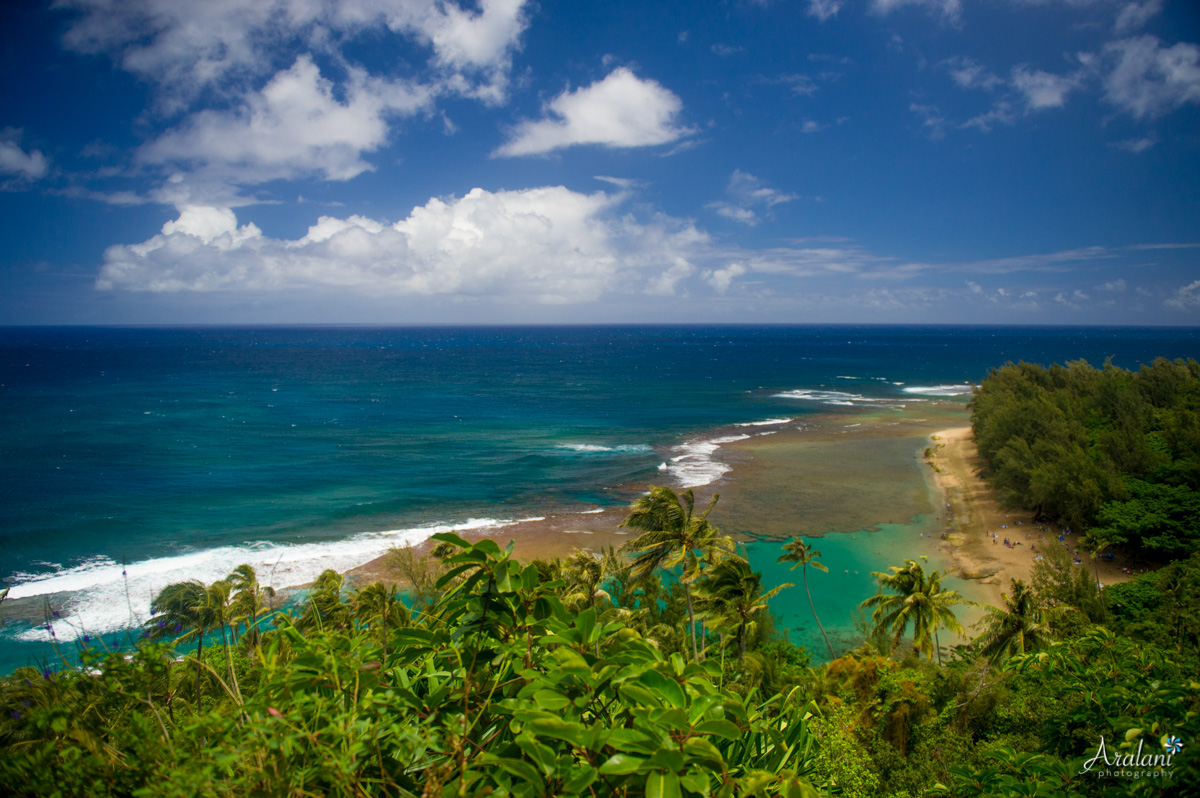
497 690
1104 448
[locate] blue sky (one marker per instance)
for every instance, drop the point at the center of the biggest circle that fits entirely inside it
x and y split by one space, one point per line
416 161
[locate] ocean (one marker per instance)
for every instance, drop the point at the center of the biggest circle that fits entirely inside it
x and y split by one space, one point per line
135 457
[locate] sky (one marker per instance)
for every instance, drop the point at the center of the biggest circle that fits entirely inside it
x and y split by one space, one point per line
512 161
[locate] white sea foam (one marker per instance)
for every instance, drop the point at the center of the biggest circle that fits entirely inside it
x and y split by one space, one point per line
101 595
825 397
694 466
843 398
591 448
766 422
940 390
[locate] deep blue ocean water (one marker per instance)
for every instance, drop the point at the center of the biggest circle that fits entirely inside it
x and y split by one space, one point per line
178 453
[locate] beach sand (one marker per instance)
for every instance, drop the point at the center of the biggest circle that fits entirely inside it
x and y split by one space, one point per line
976 513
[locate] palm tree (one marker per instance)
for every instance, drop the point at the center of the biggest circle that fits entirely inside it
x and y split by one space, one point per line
798 552
325 608
672 534
918 601
217 612
381 602
732 591
248 598
584 574
1019 627
179 607
1094 544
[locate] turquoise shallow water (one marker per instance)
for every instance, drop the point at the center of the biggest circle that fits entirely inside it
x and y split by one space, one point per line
850 557
135 457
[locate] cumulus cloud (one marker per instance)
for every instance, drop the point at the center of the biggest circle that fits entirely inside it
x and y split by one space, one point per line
721 279
1185 297
187 48
1148 80
620 111
746 193
1115 286
294 126
16 162
548 245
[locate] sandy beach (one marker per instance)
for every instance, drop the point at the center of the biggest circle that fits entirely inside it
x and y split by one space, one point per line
977 523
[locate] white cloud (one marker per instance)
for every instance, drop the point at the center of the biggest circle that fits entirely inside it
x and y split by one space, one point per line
1001 113
1149 80
949 9
18 163
620 111
1115 286
970 74
932 121
824 10
1137 145
1042 89
748 192
1185 297
1133 16
294 126
185 48
547 245
729 211
721 279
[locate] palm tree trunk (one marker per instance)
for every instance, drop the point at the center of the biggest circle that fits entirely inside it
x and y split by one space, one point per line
229 663
938 645
687 590
199 651
813 607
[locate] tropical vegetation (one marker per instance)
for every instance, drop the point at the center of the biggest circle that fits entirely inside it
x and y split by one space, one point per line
659 670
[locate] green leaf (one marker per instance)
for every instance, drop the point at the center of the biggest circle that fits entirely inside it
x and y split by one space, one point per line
662 785
580 779
450 537
573 733
719 728
669 689
521 769
622 765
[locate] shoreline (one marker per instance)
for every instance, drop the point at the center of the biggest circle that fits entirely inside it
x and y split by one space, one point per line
961 505
803 476
976 514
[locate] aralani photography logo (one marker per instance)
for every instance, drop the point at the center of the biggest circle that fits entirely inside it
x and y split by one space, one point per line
1139 764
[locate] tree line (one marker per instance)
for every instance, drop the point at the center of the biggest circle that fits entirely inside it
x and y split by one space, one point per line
1107 451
